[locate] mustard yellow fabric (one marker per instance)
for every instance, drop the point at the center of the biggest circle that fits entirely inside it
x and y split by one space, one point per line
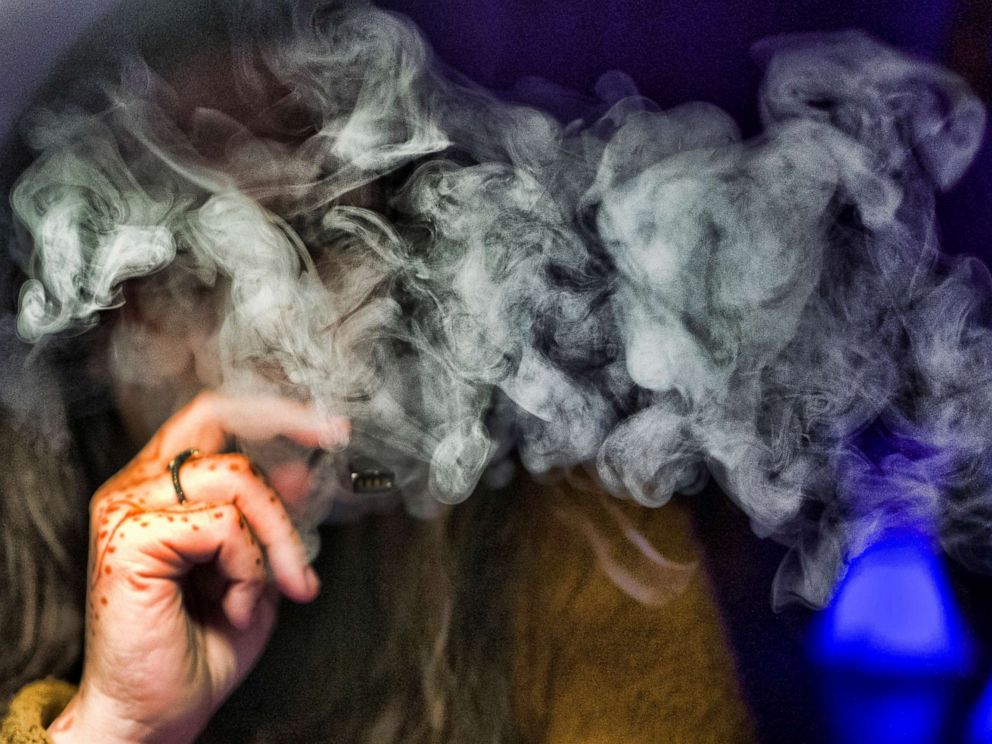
33 709
594 666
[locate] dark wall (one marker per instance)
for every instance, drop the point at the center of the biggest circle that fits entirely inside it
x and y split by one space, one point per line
700 50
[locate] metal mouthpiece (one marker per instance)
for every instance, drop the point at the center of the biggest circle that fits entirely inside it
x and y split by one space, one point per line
369 478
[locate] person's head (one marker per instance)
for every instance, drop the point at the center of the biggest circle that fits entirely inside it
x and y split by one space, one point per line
78 404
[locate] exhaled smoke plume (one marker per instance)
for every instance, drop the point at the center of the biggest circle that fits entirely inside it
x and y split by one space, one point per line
642 290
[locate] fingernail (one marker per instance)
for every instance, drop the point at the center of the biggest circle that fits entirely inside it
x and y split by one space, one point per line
312 580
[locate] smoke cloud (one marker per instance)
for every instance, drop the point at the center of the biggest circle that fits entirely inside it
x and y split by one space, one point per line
640 289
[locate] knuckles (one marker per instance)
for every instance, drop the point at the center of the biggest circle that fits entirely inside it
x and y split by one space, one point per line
234 467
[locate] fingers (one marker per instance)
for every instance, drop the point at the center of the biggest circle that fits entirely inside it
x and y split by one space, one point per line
145 487
224 655
154 550
211 418
264 512
228 479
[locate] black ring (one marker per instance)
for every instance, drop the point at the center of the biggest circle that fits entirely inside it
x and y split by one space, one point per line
177 462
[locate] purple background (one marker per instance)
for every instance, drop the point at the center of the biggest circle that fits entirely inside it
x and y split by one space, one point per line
699 50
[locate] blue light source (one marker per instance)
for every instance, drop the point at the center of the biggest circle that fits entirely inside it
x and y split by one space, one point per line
894 614
980 725
892 645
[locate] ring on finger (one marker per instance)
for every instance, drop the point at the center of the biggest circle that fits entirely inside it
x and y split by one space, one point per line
175 465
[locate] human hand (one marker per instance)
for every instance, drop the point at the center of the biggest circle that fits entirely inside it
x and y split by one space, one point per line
179 606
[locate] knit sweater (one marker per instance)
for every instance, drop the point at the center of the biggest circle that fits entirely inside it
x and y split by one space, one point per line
591 663
33 709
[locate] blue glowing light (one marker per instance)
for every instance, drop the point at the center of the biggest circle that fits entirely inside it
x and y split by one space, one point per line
891 645
980 725
894 614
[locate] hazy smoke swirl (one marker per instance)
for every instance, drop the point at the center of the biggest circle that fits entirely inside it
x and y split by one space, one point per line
641 289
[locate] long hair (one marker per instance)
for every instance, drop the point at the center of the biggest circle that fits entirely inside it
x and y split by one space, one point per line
41 576
42 528
410 641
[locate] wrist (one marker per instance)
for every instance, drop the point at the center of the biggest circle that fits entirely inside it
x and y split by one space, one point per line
90 718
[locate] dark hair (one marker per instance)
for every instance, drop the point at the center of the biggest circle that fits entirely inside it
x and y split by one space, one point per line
42 544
